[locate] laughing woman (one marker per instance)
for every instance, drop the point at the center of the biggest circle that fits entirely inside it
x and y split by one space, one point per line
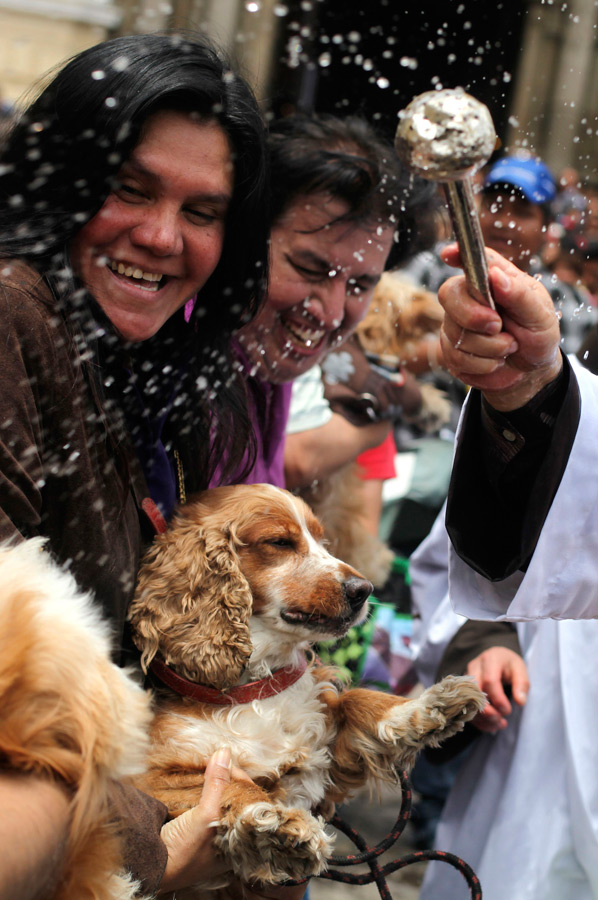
133 183
343 211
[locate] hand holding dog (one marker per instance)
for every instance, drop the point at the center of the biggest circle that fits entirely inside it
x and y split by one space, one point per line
511 356
189 837
189 840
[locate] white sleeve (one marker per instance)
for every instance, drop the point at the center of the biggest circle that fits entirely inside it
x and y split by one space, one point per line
434 621
309 408
561 581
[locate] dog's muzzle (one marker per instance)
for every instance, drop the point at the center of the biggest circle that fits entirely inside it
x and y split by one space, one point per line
357 591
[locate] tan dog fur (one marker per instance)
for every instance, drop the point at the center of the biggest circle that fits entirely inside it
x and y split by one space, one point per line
68 713
398 316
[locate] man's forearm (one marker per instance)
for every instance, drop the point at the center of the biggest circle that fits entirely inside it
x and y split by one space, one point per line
33 832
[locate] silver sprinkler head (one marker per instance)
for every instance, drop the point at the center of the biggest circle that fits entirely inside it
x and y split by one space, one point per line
445 135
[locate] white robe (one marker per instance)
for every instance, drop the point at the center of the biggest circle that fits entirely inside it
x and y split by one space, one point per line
524 809
434 622
562 579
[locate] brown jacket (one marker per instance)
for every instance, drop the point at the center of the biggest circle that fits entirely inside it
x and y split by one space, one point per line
59 478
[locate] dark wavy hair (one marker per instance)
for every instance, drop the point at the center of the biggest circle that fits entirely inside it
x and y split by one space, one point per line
347 159
58 164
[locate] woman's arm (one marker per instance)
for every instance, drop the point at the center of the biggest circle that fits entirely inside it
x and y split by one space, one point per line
33 831
317 452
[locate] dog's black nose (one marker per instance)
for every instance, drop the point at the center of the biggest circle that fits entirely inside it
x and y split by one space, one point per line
357 590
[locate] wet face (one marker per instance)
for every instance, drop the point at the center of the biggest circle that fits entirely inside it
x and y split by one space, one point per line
512 225
322 278
158 237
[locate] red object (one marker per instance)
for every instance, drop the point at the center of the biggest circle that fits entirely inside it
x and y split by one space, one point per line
244 693
154 515
379 462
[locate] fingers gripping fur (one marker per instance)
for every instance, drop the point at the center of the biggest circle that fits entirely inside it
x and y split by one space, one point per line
193 604
268 841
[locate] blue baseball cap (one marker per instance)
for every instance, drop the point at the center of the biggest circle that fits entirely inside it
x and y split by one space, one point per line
531 176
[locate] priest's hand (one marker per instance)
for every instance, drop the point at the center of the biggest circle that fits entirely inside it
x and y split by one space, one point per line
509 354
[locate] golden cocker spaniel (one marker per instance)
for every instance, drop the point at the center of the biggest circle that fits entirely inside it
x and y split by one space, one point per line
68 713
229 601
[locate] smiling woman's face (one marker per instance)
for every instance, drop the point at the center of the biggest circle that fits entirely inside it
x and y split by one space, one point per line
159 235
322 279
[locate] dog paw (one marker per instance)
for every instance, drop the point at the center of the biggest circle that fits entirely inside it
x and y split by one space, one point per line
272 843
439 712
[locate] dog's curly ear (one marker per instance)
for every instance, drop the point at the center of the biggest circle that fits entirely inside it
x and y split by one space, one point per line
192 604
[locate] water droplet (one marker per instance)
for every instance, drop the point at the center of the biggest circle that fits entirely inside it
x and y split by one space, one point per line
120 64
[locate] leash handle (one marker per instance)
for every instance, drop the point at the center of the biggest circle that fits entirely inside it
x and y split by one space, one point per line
369 855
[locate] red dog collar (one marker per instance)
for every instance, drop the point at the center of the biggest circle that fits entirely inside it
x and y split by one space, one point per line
243 693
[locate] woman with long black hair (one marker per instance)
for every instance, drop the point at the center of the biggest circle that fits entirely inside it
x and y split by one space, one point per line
133 241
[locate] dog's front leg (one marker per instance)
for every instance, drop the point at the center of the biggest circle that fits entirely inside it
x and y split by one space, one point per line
261 838
378 733
268 841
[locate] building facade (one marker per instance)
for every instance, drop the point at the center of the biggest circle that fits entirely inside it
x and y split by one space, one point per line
534 62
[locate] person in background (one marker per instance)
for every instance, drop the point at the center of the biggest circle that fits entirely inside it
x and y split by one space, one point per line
342 212
135 181
319 439
590 222
515 214
588 252
570 202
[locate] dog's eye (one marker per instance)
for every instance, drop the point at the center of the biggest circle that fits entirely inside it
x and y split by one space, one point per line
281 542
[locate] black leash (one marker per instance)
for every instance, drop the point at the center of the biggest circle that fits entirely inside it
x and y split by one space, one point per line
369 855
